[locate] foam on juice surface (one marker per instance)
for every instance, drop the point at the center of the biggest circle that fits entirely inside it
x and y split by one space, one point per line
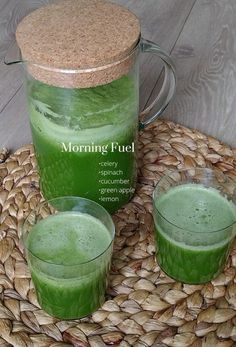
68 238
195 209
106 112
60 134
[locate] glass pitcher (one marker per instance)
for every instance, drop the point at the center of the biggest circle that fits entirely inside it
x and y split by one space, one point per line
85 120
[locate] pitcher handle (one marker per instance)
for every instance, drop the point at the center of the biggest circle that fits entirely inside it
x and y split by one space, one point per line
168 87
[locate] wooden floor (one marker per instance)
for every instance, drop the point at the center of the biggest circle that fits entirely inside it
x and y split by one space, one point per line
199 34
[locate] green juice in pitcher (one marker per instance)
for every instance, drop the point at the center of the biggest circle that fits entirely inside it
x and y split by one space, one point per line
69 256
82 75
85 140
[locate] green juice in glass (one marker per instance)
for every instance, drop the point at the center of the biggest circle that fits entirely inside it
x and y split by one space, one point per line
193 232
85 140
69 255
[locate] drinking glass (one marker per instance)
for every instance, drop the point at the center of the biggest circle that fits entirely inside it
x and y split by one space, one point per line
68 243
194 215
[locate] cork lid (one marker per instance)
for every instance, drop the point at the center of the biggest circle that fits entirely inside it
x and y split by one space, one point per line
78 35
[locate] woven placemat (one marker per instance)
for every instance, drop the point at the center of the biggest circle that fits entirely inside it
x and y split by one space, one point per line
144 306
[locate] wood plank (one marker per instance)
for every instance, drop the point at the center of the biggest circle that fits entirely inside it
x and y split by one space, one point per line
162 21
15 129
205 60
6 36
11 13
9 77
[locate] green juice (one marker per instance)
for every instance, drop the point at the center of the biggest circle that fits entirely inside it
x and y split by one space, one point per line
194 228
69 255
85 140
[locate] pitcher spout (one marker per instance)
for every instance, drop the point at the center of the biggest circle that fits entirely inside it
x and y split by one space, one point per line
13 55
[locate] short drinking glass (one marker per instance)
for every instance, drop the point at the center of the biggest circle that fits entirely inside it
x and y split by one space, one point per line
194 215
68 243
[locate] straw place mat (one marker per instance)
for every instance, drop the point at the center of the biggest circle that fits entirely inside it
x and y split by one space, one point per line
144 307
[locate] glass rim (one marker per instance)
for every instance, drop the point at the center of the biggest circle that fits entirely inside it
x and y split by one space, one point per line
167 174
67 198
84 69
